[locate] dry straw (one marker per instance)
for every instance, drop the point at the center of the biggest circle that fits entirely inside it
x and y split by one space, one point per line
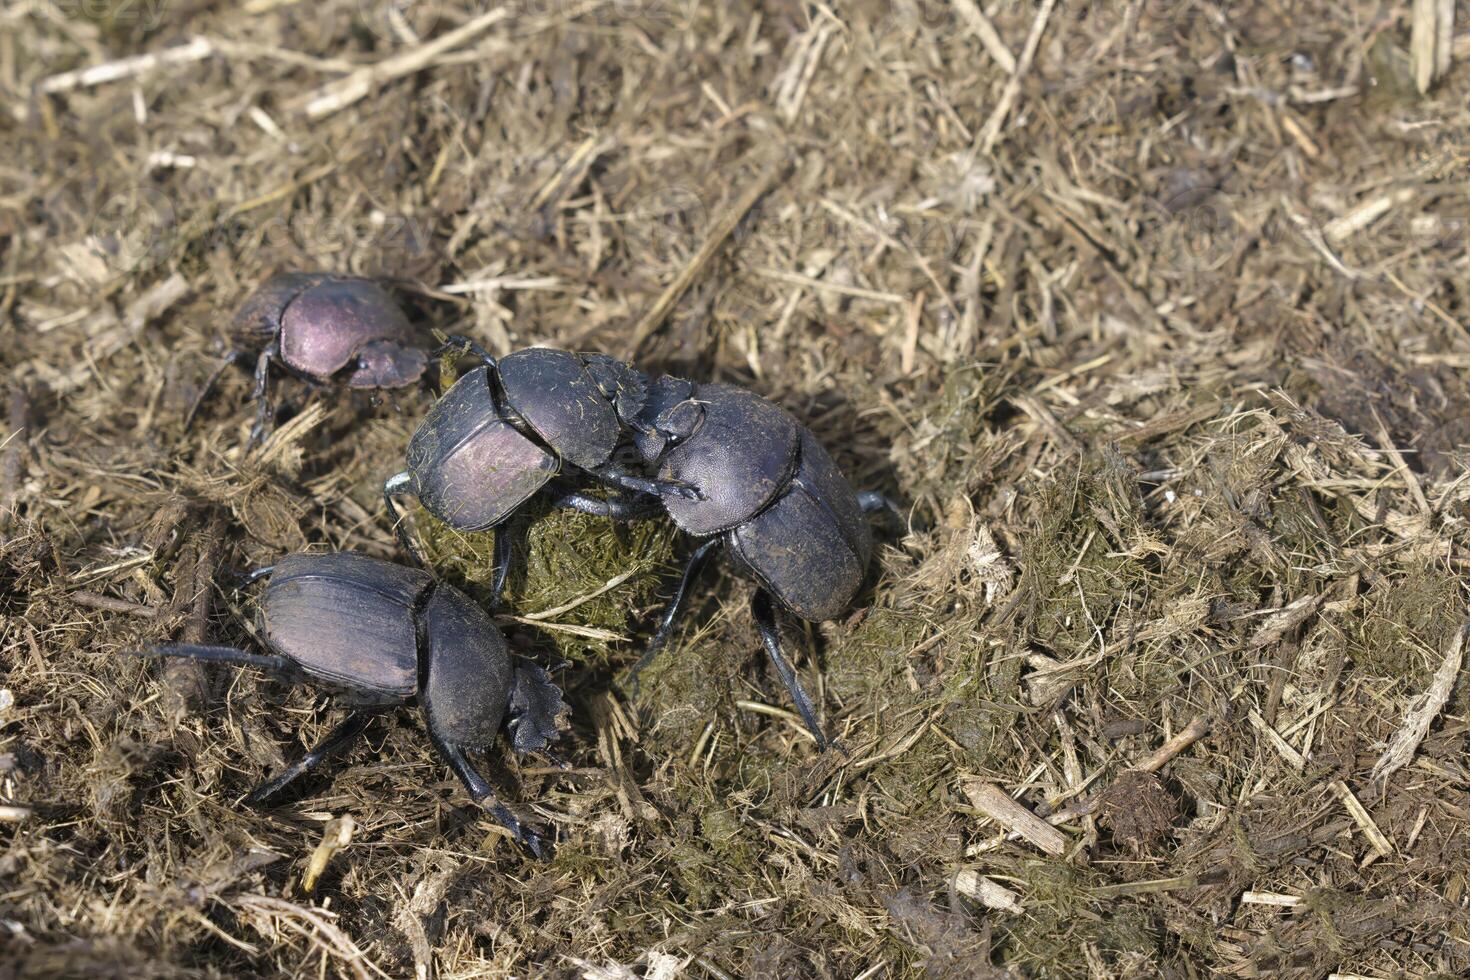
1151 313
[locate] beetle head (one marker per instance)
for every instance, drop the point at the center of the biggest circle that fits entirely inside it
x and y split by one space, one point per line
670 415
386 364
535 705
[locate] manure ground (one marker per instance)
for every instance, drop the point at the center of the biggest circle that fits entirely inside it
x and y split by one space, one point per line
1153 314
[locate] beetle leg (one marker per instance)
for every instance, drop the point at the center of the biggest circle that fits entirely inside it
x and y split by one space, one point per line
556 760
219 655
871 502
617 507
263 411
461 343
394 485
624 480
501 557
770 631
671 611
254 575
338 739
484 796
232 358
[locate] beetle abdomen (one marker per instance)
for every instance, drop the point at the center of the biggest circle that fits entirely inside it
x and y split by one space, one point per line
553 392
328 324
820 475
739 459
811 547
257 321
346 619
470 468
467 672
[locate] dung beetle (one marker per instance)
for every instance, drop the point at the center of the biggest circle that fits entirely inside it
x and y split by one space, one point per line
323 328
383 635
769 492
505 429
732 468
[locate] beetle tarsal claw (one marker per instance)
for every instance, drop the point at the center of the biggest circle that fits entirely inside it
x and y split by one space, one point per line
536 845
535 707
539 846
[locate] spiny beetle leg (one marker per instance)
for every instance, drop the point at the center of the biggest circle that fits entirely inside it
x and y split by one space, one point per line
480 791
245 579
220 655
263 411
765 621
615 476
671 611
232 358
502 556
338 739
871 501
394 485
616 507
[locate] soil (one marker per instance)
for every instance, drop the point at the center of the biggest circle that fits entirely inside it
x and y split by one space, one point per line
1152 315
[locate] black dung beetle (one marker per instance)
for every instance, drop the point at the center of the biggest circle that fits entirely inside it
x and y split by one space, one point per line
505 429
733 468
769 492
382 636
324 328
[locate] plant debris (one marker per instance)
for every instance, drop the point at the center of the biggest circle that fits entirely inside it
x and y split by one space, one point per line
1152 315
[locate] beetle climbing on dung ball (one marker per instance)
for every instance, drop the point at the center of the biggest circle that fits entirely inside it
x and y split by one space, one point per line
770 497
504 431
733 469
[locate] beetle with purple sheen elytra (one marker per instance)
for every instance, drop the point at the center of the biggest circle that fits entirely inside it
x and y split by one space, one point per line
771 495
324 328
733 468
502 432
